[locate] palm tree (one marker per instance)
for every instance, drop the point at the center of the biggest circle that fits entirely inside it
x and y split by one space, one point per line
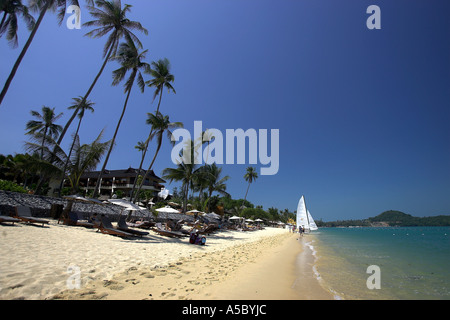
215 182
249 176
161 78
42 6
84 158
9 21
131 60
160 124
110 18
83 106
186 173
44 125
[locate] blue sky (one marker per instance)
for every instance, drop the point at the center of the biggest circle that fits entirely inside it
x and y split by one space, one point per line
363 114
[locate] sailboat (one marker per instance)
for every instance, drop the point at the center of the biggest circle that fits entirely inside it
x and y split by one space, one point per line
304 217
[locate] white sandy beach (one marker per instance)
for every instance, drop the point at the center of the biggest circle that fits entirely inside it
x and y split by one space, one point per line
36 263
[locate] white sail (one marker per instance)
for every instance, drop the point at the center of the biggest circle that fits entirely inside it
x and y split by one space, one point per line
304 218
312 224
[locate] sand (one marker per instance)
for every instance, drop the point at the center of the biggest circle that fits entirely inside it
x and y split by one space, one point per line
62 262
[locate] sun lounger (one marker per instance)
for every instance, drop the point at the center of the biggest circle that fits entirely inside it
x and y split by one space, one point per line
141 224
8 219
107 228
122 225
74 220
208 229
24 214
173 234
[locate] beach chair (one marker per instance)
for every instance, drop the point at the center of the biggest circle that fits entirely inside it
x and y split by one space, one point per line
141 224
208 229
23 213
107 228
7 219
74 220
122 226
173 234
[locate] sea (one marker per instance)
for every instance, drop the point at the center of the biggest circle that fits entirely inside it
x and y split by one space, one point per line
394 263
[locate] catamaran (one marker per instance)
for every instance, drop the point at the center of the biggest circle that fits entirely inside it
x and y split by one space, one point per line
304 218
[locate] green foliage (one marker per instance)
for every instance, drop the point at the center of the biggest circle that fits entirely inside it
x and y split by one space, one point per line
229 203
11 186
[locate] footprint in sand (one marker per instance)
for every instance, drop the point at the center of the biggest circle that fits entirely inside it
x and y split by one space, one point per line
147 275
113 285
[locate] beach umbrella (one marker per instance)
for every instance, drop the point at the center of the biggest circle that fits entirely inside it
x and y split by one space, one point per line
193 212
126 204
259 220
212 215
249 220
167 209
174 204
235 218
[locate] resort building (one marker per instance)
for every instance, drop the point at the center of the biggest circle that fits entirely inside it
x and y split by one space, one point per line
120 182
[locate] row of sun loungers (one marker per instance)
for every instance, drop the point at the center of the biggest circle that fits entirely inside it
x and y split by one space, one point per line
104 225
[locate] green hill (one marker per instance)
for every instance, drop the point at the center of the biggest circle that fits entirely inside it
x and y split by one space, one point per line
391 218
398 218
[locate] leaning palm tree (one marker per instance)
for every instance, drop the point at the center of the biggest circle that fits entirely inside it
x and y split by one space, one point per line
9 21
85 106
160 124
250 176
131 60
110 18
44 125
161 78
42 6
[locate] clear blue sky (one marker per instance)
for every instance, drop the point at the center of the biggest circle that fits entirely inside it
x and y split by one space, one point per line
363 114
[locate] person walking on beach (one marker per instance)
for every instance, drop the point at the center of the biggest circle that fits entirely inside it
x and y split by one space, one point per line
300 230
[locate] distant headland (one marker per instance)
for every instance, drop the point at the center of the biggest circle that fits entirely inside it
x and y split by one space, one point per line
391 218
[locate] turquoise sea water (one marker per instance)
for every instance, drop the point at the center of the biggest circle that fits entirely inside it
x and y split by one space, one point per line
414 262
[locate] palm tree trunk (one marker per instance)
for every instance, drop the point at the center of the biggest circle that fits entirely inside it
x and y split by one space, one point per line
24 51
136 197
43 143
245 198
66 127
145 152
140 166
186 191
159 103
68 159
112 142
41 176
